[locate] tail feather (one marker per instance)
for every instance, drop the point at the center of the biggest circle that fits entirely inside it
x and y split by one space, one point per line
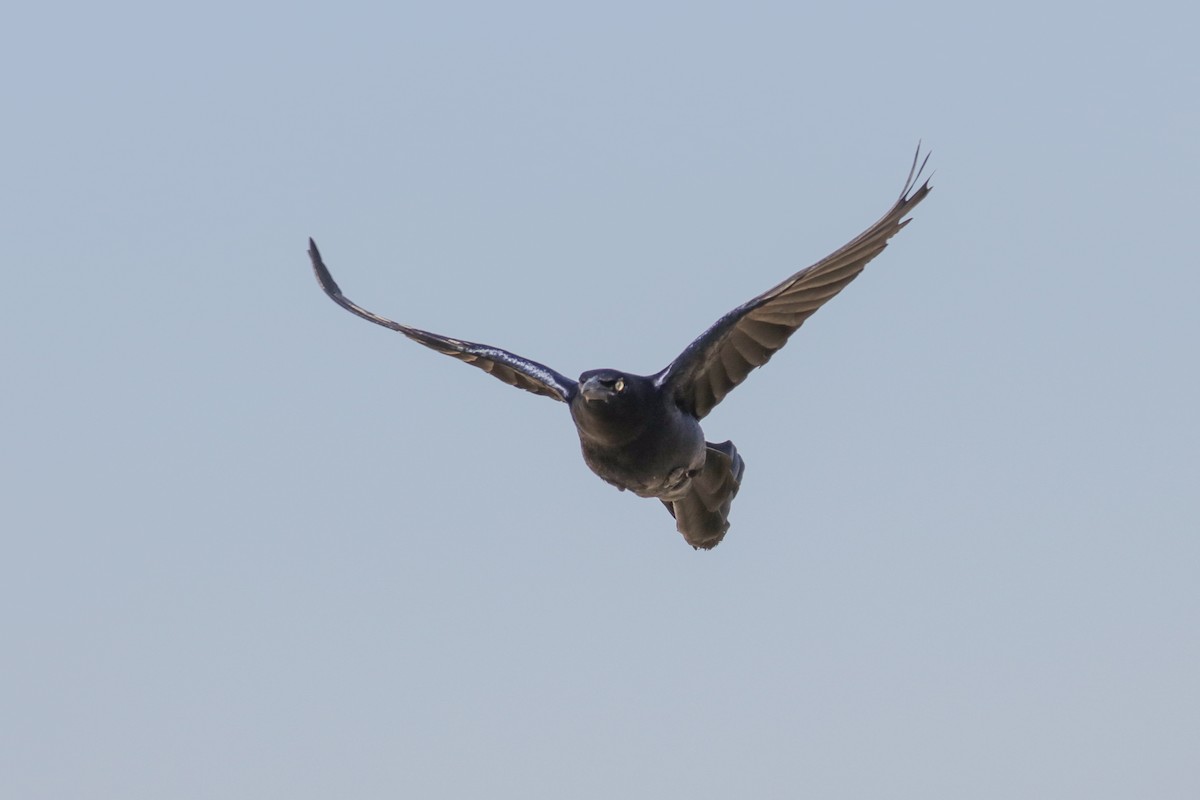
703 515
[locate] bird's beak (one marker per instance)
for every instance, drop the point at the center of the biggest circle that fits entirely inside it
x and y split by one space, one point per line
593 389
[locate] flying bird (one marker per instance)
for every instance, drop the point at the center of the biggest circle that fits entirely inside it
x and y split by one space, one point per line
642 432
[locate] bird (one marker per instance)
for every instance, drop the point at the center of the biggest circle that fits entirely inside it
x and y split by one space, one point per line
642 433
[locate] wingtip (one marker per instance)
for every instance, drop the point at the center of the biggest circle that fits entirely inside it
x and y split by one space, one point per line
912 193
321 271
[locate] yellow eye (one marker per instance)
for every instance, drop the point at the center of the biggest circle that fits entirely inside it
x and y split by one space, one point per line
619 385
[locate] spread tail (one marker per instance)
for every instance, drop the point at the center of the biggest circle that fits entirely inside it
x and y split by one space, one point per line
702 516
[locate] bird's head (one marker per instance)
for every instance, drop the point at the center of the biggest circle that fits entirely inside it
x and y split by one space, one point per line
611 406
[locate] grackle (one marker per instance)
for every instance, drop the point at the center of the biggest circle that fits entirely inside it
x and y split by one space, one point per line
642 432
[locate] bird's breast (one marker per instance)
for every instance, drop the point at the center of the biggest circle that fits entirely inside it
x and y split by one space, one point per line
657 463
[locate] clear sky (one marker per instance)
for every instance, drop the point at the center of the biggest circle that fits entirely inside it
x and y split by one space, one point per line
254 547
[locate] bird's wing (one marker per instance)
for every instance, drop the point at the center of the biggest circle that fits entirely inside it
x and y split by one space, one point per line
749 335
508 367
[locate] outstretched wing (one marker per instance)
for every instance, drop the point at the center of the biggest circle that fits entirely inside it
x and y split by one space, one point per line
508 367
749 335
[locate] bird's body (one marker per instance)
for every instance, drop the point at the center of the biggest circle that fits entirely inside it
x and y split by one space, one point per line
637 439
642 433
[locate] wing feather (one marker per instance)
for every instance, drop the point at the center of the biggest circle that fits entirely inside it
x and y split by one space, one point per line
748 336
508 367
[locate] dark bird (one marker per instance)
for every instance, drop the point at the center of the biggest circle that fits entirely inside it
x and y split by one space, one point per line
642 432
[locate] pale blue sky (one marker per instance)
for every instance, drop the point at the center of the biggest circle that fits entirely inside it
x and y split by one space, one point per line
255 547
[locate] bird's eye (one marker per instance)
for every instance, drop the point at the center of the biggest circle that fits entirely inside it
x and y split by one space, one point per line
619 385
